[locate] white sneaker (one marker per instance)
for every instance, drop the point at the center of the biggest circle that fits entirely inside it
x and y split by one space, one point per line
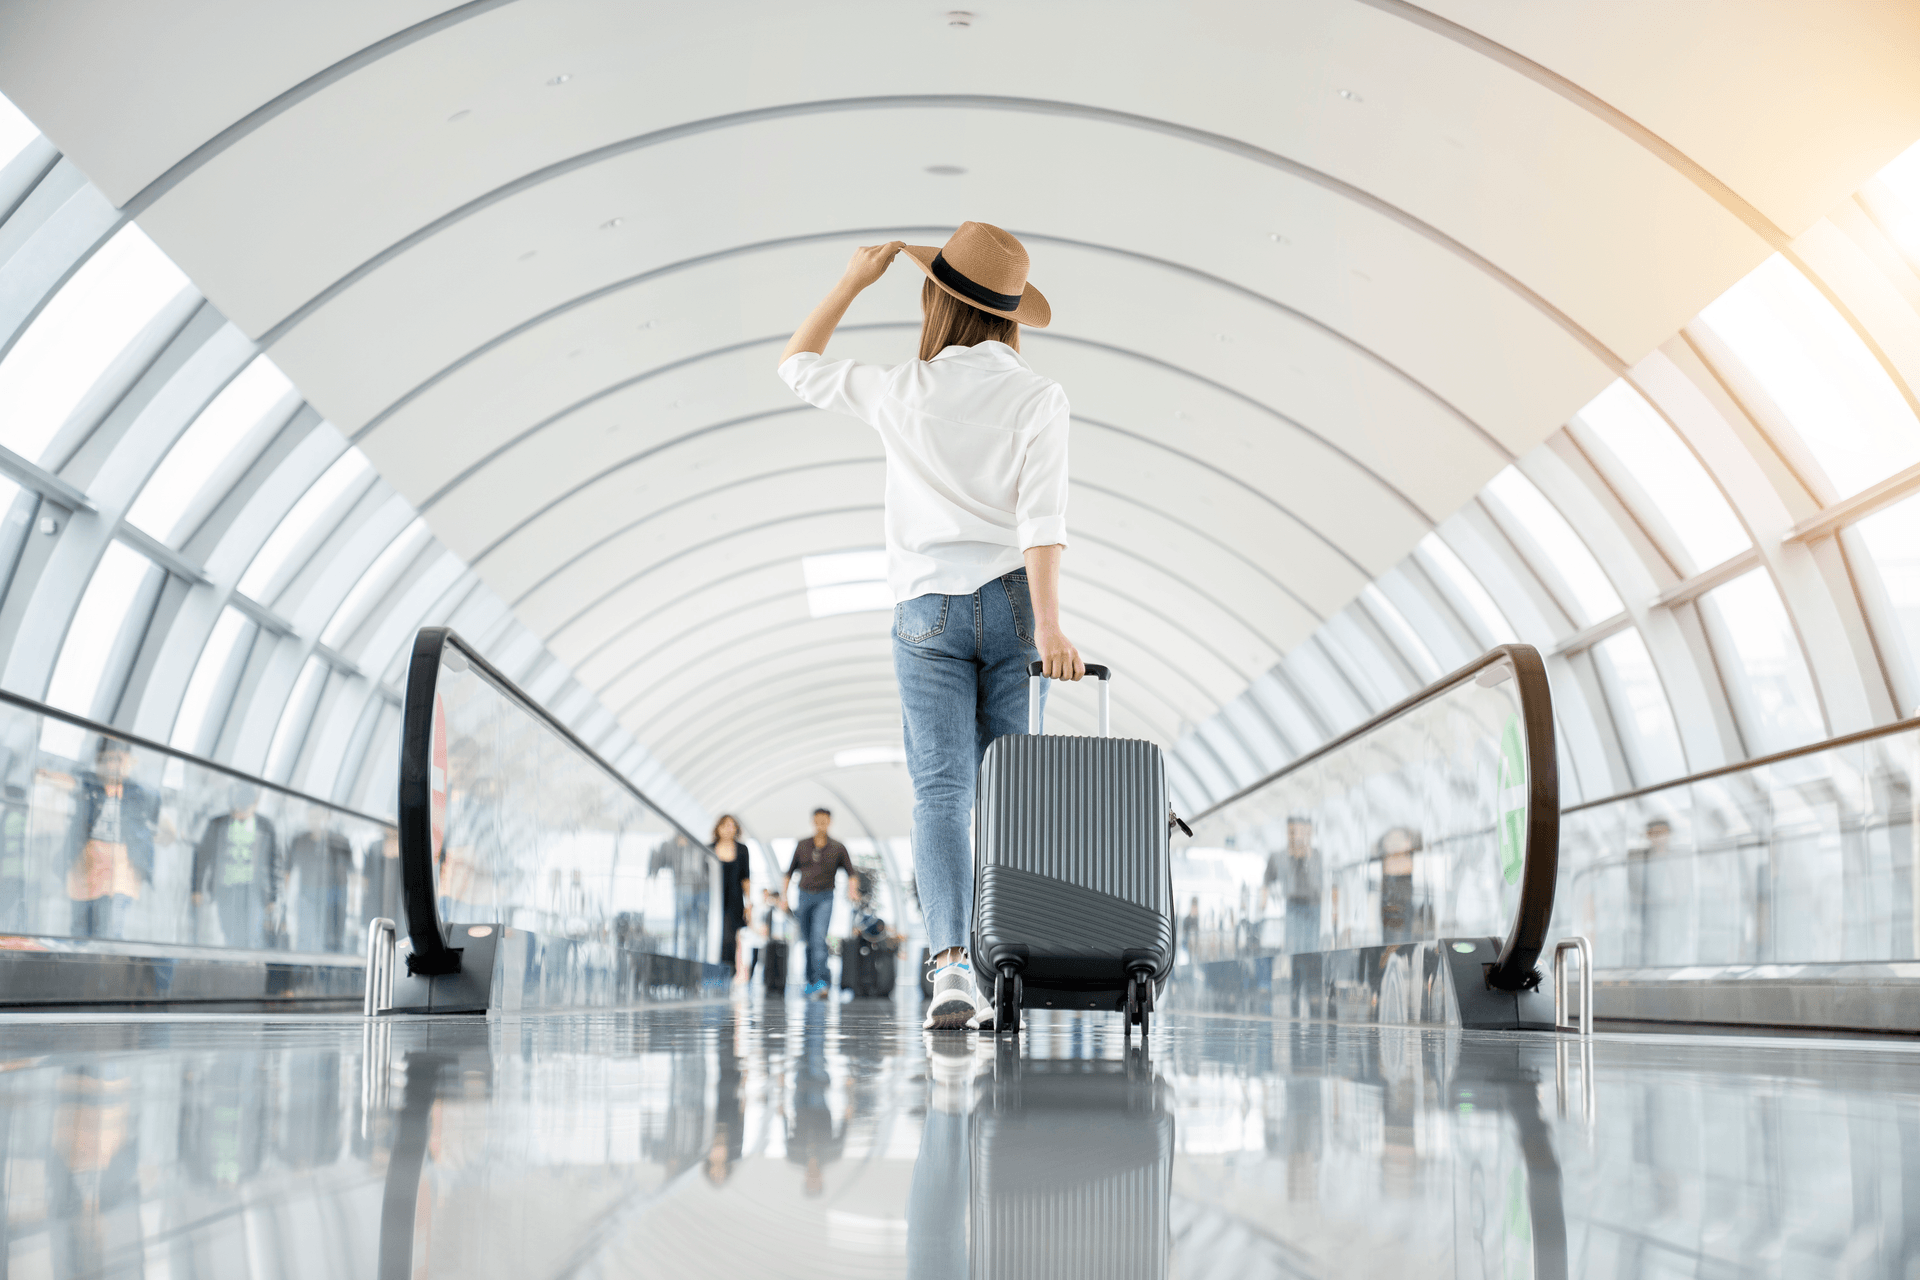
955 1001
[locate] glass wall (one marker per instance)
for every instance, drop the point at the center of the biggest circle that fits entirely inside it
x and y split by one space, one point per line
1805 860
106 841
531 831
1416 830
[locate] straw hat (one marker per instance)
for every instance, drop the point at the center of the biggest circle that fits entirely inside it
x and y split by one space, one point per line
984 267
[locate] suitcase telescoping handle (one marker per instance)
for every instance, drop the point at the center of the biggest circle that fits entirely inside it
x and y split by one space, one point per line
1103 674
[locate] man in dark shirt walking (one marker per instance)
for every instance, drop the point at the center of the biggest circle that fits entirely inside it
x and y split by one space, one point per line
817 861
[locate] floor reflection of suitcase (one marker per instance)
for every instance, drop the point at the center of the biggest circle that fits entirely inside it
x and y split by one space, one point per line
1072 1171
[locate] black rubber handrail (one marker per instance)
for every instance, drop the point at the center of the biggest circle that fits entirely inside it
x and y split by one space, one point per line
148 744
431 954
1540 866
1758 762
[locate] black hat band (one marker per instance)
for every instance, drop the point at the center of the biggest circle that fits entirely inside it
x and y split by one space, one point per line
943 272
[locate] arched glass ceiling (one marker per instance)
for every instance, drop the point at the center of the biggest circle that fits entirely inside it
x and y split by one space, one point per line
543 288
191 552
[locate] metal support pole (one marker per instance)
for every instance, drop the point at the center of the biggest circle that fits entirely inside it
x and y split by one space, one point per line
383 940
1560 991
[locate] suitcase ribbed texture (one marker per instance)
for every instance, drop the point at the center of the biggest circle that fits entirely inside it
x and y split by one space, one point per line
1072 1178
1090 811
1111 1229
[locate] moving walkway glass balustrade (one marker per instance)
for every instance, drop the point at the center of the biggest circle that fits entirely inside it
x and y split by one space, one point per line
1800 859
1415 826
528 828
107 840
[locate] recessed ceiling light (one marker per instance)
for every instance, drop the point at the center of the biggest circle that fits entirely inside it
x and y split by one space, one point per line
611 223
461 114
959 18
946 170
562 78
528 254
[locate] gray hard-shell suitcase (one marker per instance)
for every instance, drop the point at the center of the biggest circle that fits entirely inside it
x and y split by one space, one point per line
1072 887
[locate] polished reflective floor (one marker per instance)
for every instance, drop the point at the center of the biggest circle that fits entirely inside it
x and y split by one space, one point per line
732 1139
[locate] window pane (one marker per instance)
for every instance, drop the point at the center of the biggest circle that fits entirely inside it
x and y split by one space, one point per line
1593 596
1640 709
299 521
1455 571
201 449
374 582
207 673
291 732
1404 636
1640 439
1893 540
846 582
16 131
1845 409
1775 692
71 343
96 625
1902 179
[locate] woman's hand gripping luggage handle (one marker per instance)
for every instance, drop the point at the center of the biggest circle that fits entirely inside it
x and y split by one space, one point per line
1103 674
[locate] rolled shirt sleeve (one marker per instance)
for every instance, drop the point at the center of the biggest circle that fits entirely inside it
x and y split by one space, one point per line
843 386
1040 509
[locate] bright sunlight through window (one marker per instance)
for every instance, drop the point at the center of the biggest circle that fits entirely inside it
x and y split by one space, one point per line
846 582
71 343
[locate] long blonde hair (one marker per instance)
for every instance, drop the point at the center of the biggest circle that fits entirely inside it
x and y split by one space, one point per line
953 323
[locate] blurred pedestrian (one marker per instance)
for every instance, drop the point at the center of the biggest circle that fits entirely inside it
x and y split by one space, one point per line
321 869
736 886
112 842
238 864
818 861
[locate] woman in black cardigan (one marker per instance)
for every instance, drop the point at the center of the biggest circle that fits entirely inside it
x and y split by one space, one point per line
736 884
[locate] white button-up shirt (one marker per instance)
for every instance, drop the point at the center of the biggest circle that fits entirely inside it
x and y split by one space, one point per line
976 459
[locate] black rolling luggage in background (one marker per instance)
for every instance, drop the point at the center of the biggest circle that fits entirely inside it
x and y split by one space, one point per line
774 961
868 968
1072 889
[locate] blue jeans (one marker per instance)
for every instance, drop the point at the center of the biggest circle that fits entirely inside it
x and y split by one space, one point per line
937 1200
962 666
812 915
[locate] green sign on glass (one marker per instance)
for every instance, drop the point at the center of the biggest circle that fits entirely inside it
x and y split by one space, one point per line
1512 790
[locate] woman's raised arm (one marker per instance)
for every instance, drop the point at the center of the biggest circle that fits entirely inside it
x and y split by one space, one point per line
869 263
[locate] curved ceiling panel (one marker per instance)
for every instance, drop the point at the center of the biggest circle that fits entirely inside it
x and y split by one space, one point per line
1319 270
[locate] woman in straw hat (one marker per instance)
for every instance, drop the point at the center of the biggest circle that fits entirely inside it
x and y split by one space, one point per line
976 522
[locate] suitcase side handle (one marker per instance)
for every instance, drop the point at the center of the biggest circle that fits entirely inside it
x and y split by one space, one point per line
1101 673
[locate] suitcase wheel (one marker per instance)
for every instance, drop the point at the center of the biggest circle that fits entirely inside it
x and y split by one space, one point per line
1139 1003
1006 999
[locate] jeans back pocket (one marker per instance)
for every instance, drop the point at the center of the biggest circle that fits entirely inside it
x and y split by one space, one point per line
921 618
